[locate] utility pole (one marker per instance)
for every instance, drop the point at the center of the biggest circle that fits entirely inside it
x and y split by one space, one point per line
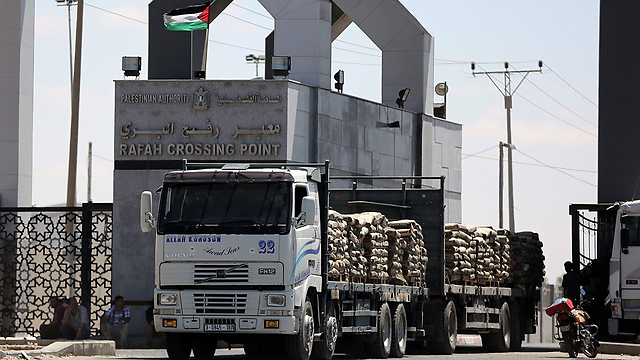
75 109
501 187
89 165
508 102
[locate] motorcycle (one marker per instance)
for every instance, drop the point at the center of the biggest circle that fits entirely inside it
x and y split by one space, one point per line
572 328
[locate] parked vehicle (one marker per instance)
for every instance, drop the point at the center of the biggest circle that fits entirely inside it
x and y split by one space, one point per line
257 273
606 251
572 328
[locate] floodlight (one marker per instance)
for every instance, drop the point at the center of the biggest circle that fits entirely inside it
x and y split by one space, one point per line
131 65
281 65
402 97
339 77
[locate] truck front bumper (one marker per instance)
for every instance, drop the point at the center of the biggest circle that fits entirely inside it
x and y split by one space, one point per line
226 324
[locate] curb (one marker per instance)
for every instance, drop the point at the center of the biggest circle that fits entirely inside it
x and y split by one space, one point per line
75 348
619 348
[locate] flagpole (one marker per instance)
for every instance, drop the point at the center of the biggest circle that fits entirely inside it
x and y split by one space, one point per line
191 58
203 66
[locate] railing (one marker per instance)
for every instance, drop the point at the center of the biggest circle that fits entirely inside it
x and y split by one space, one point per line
53 251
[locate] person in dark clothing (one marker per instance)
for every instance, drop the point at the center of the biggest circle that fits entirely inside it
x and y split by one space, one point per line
52 330
571 283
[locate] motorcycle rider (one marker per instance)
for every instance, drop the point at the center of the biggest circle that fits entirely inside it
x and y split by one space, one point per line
571 283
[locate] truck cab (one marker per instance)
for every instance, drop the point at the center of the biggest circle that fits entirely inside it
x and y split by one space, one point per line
237 253
624 281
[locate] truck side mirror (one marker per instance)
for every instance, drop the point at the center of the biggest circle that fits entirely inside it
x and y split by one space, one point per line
308 213
147 221
624 240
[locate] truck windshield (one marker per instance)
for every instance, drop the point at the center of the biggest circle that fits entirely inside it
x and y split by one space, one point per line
226 208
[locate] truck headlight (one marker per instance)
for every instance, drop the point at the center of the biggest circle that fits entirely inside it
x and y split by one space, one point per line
167 299
276 300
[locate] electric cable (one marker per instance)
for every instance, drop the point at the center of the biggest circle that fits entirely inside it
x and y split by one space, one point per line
529 164
556 169
480 152
574 89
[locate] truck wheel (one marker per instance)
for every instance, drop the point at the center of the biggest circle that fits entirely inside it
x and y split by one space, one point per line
381 346
178 346
449 340
500 341
299 346
516 330
204 346
399 333
324 350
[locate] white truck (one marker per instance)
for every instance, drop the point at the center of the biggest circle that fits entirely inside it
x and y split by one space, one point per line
242 256
606 247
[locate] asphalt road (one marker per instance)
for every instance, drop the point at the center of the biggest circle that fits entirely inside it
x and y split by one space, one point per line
467 352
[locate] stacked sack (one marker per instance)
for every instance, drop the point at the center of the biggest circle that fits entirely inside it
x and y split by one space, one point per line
495 257
346 258
477 256
371 226
410 250
461 251
528 259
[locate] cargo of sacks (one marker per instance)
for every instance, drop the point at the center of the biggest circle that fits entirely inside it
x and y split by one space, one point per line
528 259
411 250
346 260
366 247
477 255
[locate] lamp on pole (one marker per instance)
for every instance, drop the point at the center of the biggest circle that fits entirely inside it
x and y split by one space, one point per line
255 59
508 101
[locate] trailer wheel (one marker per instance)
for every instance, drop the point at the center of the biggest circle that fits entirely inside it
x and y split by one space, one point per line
447 345
399 334
324 350
299 346
516 329
381 346
204 346
178 346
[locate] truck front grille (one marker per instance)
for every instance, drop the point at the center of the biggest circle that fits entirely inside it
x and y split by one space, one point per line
217 304
220 273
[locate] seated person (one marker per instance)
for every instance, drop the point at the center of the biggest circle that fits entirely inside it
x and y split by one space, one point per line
75 323
52 330
115 322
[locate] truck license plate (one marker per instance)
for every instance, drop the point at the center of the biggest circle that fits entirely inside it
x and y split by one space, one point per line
565 328
219 327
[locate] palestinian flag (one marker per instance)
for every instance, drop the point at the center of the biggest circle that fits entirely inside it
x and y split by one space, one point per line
190 18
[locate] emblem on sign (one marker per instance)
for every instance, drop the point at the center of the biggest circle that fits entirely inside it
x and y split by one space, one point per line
201 99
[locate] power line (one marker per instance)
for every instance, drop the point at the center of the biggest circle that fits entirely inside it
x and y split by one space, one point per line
143 22
574 89
115 13
539 107
479 152
556 169
559 103
529 164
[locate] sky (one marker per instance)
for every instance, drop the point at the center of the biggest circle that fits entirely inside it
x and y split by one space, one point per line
554 114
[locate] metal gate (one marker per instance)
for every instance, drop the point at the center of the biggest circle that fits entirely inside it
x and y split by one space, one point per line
47 251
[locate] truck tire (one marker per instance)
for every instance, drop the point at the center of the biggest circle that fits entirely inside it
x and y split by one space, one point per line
516 326
447 344
381 346
178 346
323 350
299 346
399 332
204 346
499 341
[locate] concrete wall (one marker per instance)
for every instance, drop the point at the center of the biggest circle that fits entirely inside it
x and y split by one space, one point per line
618 126
159 123
16 102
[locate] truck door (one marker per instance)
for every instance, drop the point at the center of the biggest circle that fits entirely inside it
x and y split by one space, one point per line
307 242
630 252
